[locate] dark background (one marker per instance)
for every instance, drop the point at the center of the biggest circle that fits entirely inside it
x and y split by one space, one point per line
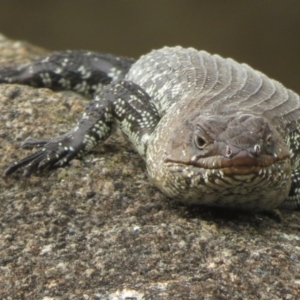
263 33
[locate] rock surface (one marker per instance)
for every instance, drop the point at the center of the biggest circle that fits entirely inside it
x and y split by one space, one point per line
98 229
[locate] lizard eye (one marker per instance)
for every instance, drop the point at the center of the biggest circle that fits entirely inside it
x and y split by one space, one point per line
200 142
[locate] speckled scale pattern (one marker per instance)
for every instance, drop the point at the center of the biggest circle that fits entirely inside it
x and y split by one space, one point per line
155 101
210 80
213 85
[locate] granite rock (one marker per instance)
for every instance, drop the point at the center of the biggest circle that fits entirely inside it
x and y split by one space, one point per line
98 229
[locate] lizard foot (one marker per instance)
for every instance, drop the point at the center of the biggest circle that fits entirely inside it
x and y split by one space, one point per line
55 152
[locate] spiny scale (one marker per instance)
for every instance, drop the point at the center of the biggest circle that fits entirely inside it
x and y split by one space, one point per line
155 101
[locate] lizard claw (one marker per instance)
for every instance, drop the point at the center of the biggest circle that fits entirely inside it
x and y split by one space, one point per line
30 143
53 153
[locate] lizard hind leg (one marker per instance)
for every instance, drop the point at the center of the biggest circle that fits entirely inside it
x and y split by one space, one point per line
81 71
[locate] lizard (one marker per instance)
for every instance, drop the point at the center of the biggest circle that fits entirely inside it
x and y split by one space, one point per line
212 131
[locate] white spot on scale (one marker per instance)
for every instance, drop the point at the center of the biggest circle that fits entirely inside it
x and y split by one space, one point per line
58 70
145 138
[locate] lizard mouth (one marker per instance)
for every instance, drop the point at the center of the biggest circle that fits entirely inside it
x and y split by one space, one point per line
239 165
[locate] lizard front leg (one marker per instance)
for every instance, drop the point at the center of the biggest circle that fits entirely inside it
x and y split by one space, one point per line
122 103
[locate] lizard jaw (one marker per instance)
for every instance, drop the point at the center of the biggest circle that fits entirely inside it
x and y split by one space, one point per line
242 164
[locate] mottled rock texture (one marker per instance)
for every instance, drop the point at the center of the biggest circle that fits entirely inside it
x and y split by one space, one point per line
98 229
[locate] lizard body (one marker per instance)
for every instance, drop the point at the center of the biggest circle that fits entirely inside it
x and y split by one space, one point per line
212 131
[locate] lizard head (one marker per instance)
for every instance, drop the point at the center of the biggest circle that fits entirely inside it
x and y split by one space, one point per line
218 160
239 144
